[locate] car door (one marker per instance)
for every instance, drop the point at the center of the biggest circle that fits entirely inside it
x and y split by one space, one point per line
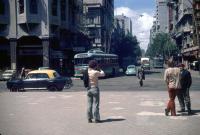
42 80
30 82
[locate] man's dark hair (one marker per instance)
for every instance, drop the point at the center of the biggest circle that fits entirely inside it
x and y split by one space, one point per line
170 63
93 64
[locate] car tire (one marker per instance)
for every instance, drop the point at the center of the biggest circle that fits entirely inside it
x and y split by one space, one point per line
52 88
67 86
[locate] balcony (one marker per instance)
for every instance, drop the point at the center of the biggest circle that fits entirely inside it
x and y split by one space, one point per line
190 49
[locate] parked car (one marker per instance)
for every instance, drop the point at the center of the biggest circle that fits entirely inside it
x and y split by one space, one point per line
43 68
39 79
8 74
131 70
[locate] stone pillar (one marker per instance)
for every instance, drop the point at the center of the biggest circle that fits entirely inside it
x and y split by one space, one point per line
45 45
13 53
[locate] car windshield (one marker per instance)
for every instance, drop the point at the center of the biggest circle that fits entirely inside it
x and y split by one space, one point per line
131 67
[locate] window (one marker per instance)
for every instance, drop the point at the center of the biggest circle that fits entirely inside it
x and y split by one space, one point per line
54 7
63 10
33 7
21 6
2 7
42 76
55 74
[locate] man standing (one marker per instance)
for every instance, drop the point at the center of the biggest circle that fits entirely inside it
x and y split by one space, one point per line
183 94
93 93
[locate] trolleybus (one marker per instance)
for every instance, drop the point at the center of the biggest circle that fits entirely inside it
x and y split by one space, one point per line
107 62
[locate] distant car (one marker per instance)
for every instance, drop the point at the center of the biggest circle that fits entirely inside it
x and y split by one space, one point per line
39 79
43 68
131 70
8 74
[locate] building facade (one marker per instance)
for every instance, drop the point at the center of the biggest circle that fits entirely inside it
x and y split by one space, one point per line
162 16
196 28
99 18
38 33
182 29
124 22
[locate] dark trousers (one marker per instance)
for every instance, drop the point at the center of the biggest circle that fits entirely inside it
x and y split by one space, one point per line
171 103
184 99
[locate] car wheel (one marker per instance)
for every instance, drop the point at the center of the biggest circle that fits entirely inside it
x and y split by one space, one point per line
52 88
67 86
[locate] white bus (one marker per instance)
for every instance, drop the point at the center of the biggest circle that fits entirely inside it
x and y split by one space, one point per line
145 62
158 62
107 62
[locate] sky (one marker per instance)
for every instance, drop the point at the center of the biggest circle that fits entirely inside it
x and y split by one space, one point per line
141 12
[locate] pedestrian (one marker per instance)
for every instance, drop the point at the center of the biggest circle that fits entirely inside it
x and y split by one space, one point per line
93 93
23 73
172 79
141 71
184 95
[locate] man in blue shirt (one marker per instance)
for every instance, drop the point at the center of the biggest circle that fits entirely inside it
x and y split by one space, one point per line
183 94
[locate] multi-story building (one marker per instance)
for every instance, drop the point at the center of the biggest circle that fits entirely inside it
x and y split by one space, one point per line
99 22
196 28
162 16
124 23
181 29
37 33
153 33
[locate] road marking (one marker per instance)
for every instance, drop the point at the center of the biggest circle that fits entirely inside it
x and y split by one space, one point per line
70 108
152 103
113 102
22 96
150 114
118 108
68 96
52 97
33 103
11 114
178 118
116 117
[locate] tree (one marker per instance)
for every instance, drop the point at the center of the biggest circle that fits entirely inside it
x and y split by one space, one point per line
125 46
162 45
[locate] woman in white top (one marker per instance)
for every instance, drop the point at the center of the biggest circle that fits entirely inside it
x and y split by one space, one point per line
93 91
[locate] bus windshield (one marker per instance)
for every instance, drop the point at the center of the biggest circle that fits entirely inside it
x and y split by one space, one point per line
81 61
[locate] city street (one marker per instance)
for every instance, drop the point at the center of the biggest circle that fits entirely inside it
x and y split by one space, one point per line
125 108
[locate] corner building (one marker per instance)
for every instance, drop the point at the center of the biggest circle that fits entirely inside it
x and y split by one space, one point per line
99 19
36 33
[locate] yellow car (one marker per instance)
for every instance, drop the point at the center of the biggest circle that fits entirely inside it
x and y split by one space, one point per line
39 79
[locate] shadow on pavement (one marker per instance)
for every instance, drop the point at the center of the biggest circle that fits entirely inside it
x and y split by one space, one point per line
111 120
194 112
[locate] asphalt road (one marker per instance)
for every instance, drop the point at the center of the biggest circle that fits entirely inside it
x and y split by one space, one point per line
125 108
153 82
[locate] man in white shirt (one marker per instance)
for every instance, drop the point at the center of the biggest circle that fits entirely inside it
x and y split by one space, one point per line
94 72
